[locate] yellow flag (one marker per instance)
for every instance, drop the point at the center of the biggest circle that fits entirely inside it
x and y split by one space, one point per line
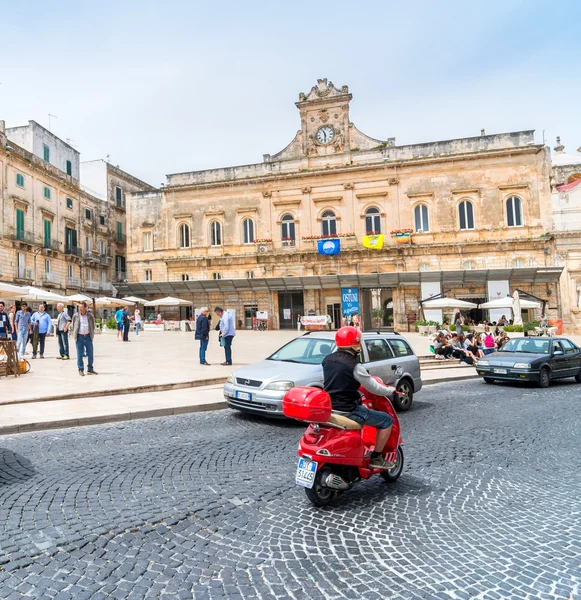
373 242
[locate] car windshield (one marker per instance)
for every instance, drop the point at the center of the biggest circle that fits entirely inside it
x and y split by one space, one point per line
305 350
526 345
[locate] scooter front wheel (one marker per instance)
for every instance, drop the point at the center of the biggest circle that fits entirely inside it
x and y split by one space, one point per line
318 494
395 471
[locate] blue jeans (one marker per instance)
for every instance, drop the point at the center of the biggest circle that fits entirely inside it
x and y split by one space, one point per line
373 418
203 348
84 343
228 347
137 326
21 341
63 338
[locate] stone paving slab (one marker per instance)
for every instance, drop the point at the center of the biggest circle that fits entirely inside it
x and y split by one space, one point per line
76 412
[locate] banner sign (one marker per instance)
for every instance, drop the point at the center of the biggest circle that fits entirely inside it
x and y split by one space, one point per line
329 246
316 320
373 242
349 301
427 290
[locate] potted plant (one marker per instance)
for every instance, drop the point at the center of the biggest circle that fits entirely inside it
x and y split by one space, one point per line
515 330
433 326
377 314
422 327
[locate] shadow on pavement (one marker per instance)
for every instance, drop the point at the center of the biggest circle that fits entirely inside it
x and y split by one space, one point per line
14 468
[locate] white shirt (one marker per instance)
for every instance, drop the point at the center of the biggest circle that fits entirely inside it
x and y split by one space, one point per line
83 324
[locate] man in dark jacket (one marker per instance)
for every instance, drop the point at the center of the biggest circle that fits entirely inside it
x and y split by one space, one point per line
342 376
203 333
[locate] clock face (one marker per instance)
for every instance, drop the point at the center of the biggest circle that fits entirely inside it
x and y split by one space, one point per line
325 135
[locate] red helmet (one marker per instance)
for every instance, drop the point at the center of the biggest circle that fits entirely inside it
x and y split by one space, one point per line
348 337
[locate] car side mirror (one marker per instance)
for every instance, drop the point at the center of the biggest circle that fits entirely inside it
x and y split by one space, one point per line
558 353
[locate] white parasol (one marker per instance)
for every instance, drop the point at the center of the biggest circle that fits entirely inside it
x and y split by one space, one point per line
168 301
33 293
507 302
448 303
135 300
516 309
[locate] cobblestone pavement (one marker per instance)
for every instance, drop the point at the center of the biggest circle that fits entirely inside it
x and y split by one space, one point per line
204 506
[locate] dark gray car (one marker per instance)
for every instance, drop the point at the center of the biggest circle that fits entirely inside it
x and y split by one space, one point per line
260 387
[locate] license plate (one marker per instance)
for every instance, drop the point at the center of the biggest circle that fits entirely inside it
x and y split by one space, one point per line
244 395
306 470
500 371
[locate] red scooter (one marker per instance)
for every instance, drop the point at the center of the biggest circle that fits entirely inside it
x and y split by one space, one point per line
335 451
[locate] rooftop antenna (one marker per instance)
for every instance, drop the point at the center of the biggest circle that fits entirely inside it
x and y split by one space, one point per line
49 116
108 158
70 142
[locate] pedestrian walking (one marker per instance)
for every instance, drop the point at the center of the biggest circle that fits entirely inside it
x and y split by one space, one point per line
83 332
11 315
299 324
5 329
137 319
119 321
329 322
203 333
126 324
22 320
63 323
41 320
227 333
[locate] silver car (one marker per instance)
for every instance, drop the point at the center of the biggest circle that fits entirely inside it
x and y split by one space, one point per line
259 388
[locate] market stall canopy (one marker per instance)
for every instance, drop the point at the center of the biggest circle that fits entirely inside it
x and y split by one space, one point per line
169 301
448 303
32 293
135 300
508 303
79 298
14 290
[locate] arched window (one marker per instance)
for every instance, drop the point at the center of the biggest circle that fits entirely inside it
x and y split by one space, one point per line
287 228
421 218
329 223
215 233
466 214
372 221
248 231
514 211
184 235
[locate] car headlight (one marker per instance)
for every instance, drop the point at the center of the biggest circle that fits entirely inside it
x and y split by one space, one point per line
230 378
482 363
280 386
521 366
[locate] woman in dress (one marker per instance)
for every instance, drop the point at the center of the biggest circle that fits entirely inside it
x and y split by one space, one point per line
137 319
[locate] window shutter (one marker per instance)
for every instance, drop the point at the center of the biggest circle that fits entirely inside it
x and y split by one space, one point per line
19 219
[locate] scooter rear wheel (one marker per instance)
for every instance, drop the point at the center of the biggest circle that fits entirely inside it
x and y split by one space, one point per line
394 473
319 495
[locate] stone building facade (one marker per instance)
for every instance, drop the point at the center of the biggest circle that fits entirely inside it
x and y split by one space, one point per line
566 199
53 233
246 236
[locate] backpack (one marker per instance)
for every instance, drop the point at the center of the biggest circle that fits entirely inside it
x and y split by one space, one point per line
488 340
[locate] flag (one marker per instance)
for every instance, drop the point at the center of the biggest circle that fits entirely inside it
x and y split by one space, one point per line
373 242
329 246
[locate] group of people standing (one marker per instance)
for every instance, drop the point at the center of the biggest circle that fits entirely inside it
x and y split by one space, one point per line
226 331
123 320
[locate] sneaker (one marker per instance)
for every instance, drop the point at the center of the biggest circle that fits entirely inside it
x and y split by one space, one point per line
42 356
59 357
81 373
34 356
66 358
92 372
379 463
226 364
205 364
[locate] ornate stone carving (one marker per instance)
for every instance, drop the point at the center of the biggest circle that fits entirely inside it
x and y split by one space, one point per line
306 190
267 194
339 142
312 147
348 186
324 115
393 181
324 90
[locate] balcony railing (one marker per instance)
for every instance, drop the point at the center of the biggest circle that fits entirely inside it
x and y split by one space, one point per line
120 204
74 282
121 238
51 244
51 278
105 286
105 260
288 243
92 285
25 273
91 255
21 235
120 276
74 251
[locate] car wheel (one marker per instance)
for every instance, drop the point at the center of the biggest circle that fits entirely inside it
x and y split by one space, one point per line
578 377
488 380
403 401
544 378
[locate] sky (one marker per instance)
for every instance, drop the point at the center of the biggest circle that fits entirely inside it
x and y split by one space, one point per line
183 85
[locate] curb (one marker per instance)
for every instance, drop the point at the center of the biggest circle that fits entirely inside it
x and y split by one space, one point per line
150 413
139 389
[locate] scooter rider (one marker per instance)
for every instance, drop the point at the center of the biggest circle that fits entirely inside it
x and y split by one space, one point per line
343 374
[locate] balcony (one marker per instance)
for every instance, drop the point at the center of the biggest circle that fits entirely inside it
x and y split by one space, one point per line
105 286
51 278
74 282
120 276
105 260
121 238
90 255
74 251
50 244
120 204
21 235
25 274
91 284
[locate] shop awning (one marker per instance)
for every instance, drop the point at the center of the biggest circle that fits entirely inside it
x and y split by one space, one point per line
332 282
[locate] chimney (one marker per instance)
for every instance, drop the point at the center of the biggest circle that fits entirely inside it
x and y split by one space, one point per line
482 131
2 126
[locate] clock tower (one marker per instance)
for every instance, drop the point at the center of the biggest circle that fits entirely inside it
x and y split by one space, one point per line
324 119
